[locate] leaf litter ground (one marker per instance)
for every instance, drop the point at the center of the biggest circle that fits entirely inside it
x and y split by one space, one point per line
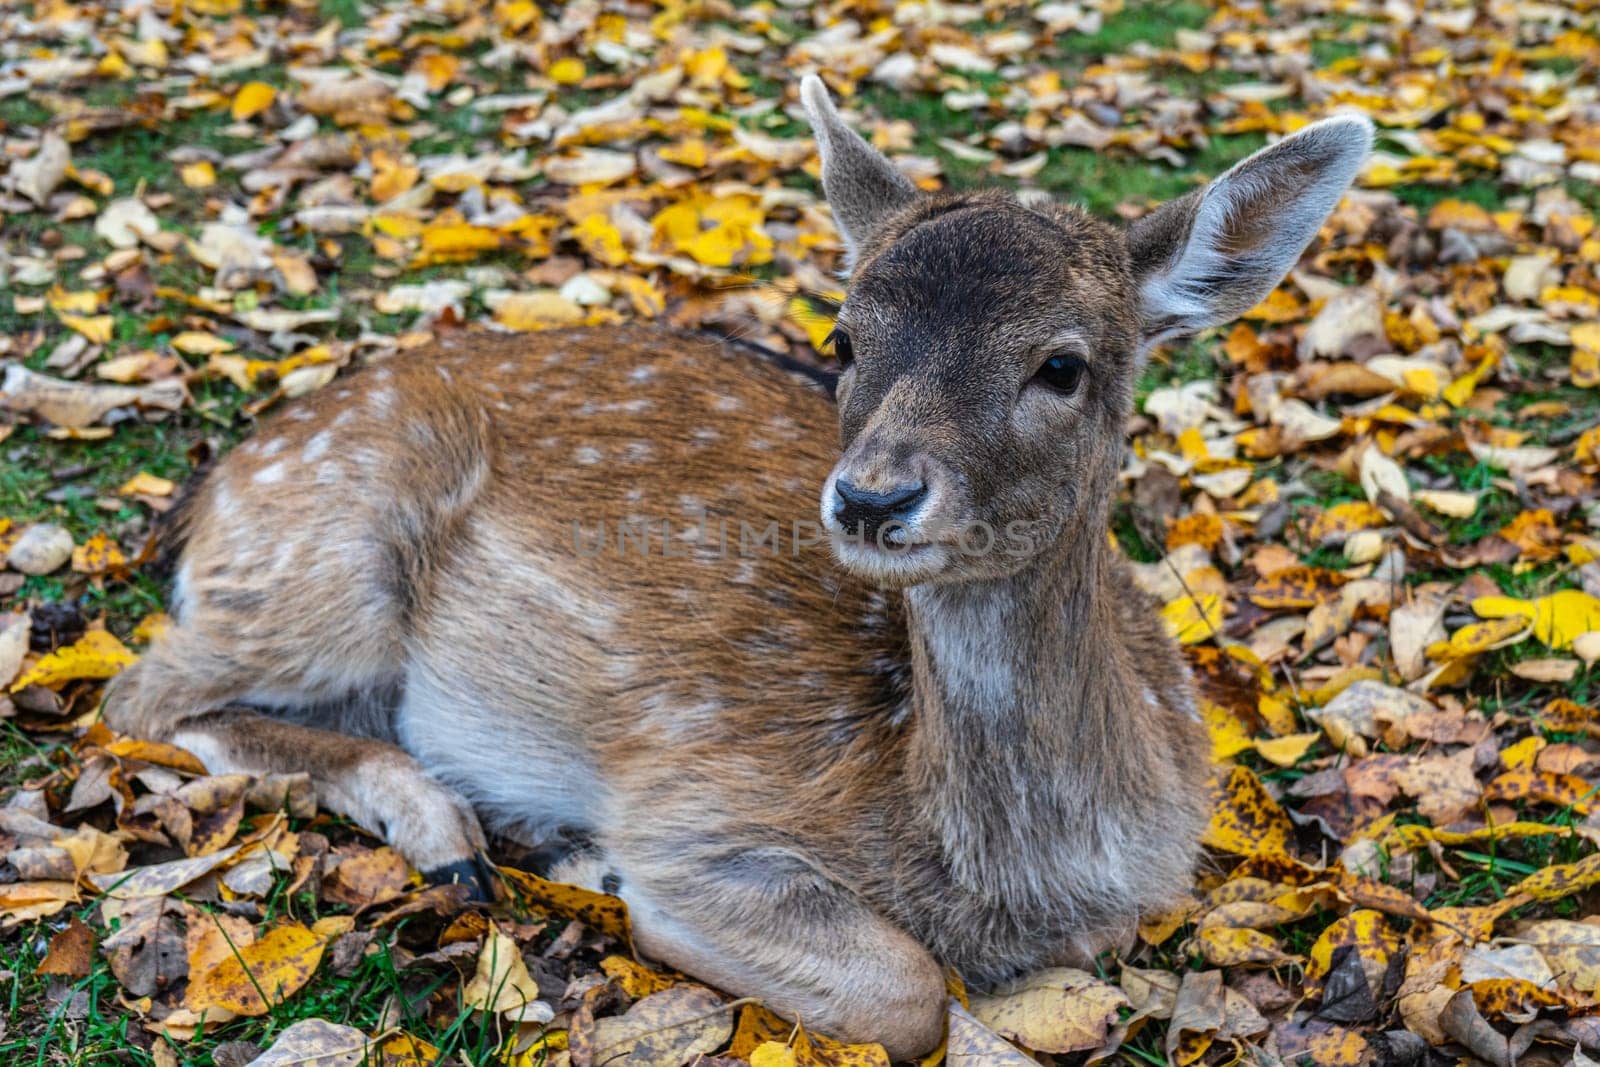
1369 509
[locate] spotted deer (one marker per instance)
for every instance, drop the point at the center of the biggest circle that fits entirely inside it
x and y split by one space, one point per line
947 731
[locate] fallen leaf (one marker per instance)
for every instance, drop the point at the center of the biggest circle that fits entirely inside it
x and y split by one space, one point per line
315 1043
71 952
257 976
665 1029
502 983
1058 1010
97 654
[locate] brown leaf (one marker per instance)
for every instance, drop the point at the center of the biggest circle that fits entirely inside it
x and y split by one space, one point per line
146 950
71 953
371 876
75 405
161 878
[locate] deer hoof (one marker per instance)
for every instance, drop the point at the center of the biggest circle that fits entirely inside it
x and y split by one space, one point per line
477 874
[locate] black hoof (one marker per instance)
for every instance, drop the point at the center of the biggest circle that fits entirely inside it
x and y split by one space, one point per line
476 874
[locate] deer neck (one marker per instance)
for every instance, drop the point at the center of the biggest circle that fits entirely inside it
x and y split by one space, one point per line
1023 696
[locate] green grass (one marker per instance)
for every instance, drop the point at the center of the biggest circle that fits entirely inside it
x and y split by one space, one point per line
1152 24
107 1034
1483 192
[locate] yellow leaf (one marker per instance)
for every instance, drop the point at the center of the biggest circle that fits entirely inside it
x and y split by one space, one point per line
1228 735
646 299
691 153
1459 214
1557 619
1369 932
197 343
635 978
758 1026
1245 820
390 178
97 328
438 69
1561 880
252 99
151 627
1200 528
605 913
603 241
253 978
95 655
98 555
198 175
1478 637
718 232
1286 751
772 1054
1520 756
1457 505
537 311
1193 619
1278 716
1585 368
1586 449
452 242
1344 519
567 71
1230 946
80 302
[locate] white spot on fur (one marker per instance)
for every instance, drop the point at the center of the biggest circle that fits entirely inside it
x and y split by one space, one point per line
317 447
269 475
381 400
180 591
587 455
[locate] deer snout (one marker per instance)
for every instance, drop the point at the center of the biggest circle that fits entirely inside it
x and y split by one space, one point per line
864 512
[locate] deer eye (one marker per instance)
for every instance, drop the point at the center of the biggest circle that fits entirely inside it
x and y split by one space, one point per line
843 351
1063 373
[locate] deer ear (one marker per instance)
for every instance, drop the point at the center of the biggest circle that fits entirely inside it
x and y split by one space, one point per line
1212 255
863 188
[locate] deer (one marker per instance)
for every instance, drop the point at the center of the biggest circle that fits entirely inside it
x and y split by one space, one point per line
821 773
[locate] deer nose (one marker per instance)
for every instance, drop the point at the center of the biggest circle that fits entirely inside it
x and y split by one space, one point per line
864 512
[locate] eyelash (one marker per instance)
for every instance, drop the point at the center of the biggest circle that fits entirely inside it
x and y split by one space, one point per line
843 350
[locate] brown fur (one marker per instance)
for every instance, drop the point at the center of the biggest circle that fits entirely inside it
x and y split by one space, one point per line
813 790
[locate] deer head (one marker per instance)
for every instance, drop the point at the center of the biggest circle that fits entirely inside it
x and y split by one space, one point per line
989 348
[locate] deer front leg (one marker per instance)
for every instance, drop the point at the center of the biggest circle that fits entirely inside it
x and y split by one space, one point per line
372 782
764 922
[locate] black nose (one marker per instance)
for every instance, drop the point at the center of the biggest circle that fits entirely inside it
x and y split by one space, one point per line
863 513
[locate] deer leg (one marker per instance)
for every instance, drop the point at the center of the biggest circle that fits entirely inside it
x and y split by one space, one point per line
174 693
764 922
